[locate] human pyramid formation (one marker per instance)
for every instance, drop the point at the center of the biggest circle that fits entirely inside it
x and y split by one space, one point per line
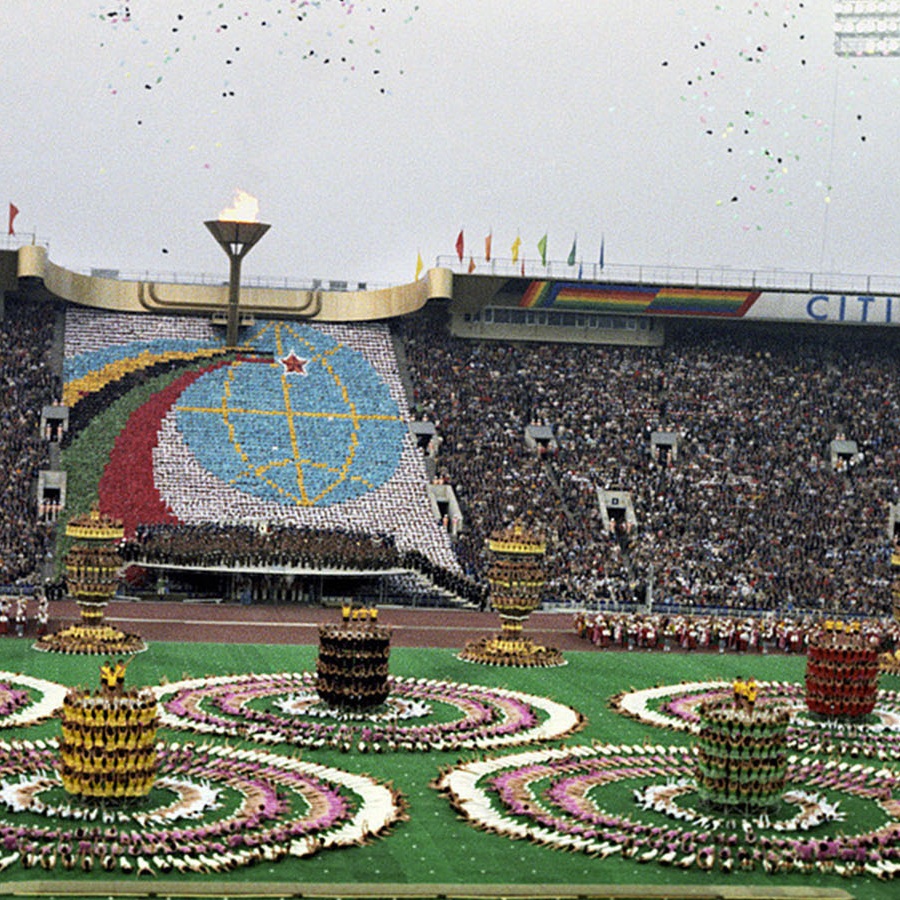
92 574
352 666
516 583
842 669
741 758
516 579
108 745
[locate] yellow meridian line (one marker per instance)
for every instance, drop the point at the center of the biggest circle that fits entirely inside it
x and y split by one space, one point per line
280 463
292 431
260 470
259 334
226 393
279 348
260 473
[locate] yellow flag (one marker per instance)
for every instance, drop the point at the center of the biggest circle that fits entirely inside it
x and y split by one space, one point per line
515 248
419 266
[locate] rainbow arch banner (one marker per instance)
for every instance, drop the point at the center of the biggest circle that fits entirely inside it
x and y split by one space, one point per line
628 299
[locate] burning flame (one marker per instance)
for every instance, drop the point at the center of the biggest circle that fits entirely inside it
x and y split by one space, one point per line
244 208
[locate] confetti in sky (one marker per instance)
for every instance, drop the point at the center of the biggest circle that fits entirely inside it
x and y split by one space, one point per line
749 93
155 47
703 133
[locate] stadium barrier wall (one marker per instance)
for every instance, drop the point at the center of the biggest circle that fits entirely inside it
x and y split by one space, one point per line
202 299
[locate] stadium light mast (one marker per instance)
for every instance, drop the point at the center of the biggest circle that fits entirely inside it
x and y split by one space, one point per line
236 231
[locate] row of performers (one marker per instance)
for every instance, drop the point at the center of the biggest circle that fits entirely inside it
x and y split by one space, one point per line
743 772
375 639
351 613
366 672
829 705
131 708
102 762
760 721
847 648
860 670
744 789
129 737
355 650
354 694
118 785
85 639
753 739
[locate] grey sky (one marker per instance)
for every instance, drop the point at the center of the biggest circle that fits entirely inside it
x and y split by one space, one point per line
689 132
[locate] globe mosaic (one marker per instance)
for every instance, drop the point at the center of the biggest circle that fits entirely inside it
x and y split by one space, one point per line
312 425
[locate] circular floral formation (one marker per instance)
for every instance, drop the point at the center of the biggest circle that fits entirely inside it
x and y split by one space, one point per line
25 700
675 706
445 716
571 798
212 808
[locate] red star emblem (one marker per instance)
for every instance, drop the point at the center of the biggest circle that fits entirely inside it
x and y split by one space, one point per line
293 364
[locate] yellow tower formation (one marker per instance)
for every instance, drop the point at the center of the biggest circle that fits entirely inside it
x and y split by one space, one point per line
516 579
93 571
108 744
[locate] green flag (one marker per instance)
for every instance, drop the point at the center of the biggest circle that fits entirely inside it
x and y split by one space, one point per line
542 249
571 259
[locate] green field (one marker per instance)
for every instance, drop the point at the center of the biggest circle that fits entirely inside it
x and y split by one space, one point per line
434 845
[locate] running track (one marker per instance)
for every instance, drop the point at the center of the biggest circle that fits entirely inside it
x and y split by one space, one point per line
298 624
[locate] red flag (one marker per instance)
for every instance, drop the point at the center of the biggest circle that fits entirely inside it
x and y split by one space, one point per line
13 212
460 245
487 246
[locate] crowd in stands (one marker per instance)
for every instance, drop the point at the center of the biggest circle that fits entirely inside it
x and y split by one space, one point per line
278 545
27 384
217 545
752 514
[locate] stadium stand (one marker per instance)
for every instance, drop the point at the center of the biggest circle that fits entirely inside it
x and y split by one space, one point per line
28 384
754 515
200 441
